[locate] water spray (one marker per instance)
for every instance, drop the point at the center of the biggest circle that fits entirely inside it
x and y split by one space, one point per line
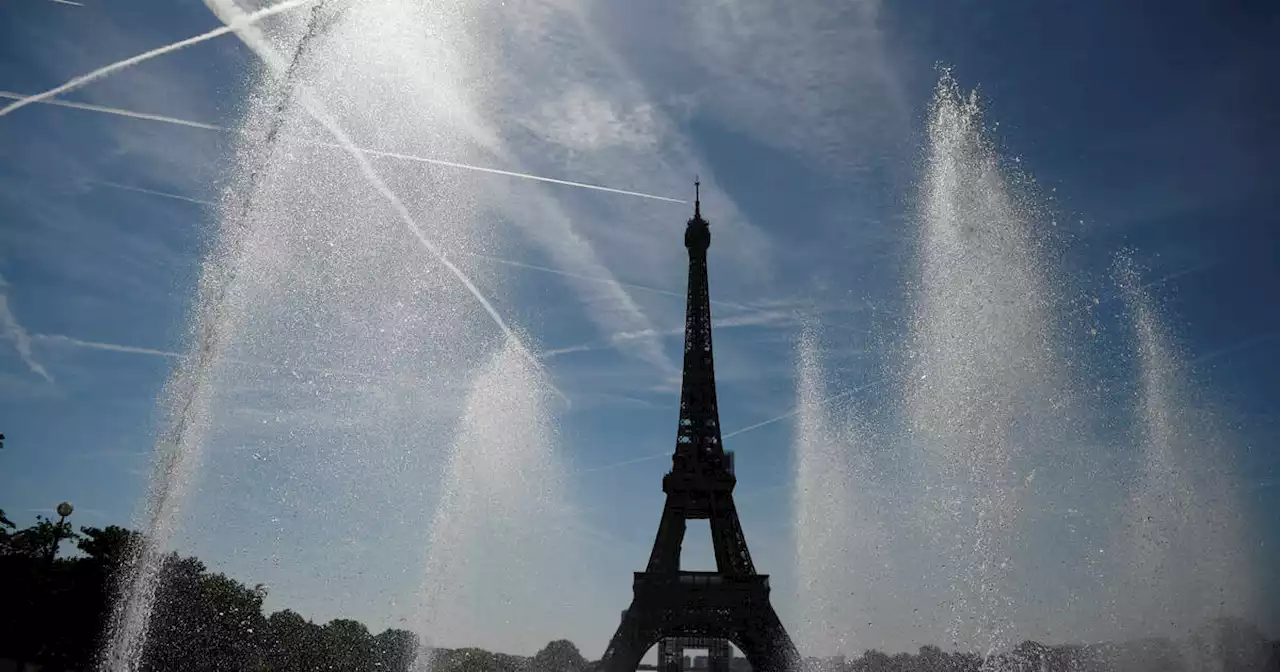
230 14
179 446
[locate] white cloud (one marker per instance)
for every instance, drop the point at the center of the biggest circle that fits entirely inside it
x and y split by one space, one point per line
801 75
563 100
584 120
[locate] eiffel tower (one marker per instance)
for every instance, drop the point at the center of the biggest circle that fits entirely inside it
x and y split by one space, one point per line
730 604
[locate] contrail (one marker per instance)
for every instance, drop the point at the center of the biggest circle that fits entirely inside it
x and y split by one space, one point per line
372 152
764 423
477 255
508 173
109 347
1146 285
570 274
592 278
626 463
153 192
1235 347
612 341
68 2
796 410
64 340
556 352
112 110
241 21
13 330
230 14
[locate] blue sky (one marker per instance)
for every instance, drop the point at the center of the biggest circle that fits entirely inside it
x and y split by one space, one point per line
346 392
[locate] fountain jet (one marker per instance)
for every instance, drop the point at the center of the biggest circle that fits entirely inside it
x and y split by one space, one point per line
1184 559
983 367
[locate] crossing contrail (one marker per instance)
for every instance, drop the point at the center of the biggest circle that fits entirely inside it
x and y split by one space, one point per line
1236 347
240 21
230 14
109 347
120 112
749 428
795 411
590 278
153 192
60 339
508 173
477 255
112 110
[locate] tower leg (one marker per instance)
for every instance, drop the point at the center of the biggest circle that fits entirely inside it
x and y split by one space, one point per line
666 547
718 656
633 637
758 632
766 645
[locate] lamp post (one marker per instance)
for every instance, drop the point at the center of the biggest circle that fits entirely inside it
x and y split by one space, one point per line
64 509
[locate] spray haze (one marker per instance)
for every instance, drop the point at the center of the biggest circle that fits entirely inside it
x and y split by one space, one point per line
502 536
1182 544
841 544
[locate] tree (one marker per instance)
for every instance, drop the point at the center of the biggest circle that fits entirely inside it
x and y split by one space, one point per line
291 643
347 645
110 546
38 541
559 656
5 526
395 650
464 660
873 661
201 621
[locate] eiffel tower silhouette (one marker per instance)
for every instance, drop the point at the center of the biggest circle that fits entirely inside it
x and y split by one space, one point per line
730 604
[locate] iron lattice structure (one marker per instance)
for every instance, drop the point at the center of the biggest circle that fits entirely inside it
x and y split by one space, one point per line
671 653
730 604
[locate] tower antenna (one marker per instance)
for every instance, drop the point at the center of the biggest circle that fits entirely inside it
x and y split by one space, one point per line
697 197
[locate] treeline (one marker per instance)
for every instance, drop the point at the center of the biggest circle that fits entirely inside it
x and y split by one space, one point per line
1227 645
53 611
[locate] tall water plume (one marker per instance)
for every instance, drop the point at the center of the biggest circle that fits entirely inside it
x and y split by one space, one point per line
840 545
331 373
188 397
186 404
1183 554
502 536
983 370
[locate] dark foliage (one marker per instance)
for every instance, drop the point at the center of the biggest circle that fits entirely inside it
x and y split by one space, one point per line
55 608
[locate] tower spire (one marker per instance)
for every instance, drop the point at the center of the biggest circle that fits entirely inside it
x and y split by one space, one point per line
697 197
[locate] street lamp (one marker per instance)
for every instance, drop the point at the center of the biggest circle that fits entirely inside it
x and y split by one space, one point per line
64 509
